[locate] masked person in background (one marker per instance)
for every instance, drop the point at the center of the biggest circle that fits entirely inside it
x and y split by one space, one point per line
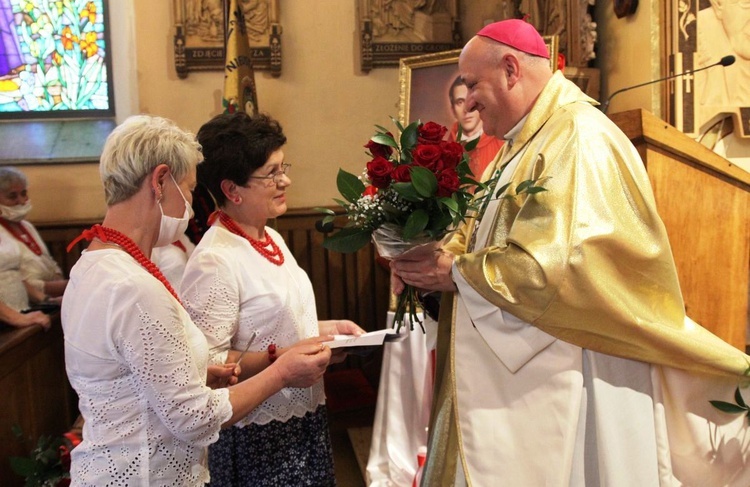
14 292
39 270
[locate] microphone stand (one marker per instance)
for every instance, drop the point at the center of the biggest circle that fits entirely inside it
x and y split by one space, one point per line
725 61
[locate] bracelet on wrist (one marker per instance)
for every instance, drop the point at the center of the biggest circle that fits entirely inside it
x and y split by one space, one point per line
272 353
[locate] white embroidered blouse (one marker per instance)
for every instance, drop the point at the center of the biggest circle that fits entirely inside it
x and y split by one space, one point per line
138 364
172 259
230 290
12 290
36 269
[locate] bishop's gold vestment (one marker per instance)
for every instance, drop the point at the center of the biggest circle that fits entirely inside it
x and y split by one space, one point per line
590 301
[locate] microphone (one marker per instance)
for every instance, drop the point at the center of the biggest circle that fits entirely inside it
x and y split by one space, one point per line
725 61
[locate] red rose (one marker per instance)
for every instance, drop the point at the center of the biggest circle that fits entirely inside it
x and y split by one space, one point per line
379 150
379 172
370 191
427 155
430 133
64 453
452 154
401 174
448 183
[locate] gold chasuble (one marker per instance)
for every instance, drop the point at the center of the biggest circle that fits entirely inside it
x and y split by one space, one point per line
586 262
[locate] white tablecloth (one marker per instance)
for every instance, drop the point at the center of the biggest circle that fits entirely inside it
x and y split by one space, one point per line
402 412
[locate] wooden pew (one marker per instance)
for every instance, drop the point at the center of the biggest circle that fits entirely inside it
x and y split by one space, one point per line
36 395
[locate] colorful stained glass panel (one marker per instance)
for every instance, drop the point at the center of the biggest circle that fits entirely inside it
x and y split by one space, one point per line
53 58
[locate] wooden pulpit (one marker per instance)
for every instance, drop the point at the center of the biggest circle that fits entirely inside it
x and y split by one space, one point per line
704 201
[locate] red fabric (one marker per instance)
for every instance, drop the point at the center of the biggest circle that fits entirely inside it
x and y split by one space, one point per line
348 390
180 245
22 235
516 33
483 153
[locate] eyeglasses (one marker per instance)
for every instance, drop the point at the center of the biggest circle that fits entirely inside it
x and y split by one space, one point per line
276 175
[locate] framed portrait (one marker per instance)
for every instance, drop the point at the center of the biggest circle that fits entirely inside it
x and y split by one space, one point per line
394 29
200 27
431 90
425 82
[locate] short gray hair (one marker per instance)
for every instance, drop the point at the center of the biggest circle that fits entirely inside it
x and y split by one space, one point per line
10 175
137 146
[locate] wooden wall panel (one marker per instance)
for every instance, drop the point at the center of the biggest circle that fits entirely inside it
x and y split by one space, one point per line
706 241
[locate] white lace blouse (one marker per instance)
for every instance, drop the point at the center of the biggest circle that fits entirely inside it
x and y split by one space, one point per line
138 364
230 290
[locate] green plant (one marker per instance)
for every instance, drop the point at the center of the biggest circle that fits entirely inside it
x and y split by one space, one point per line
739 406
48 464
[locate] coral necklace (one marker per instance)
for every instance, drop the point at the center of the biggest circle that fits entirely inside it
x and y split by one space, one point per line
22 235
111 236
267 248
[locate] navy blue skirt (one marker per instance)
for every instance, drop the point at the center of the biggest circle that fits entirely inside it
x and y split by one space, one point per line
293 453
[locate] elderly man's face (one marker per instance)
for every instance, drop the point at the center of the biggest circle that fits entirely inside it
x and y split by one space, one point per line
14 195
735 17
487 88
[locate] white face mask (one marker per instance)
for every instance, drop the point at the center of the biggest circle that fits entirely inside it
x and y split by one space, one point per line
15 213
170 227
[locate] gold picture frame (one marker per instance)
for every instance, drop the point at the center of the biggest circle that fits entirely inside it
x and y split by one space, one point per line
200 28
553 47
423 80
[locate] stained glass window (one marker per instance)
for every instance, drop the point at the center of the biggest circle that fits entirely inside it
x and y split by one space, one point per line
54 59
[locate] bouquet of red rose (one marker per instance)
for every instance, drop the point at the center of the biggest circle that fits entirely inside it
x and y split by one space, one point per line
415 191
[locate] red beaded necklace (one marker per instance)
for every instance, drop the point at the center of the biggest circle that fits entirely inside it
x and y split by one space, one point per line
21 233
273 255
109 235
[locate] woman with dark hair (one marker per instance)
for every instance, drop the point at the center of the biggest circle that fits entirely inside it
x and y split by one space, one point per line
244 289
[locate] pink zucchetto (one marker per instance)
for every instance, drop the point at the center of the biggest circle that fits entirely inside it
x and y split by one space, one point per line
518 34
